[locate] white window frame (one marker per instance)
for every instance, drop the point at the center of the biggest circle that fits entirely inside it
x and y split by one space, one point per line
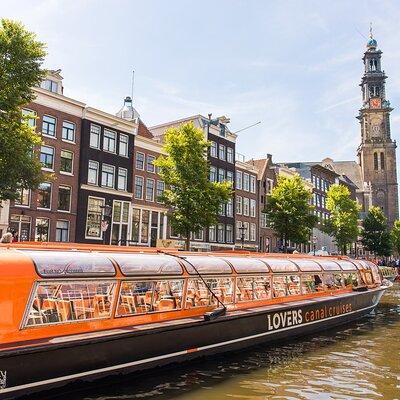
55 126
246 206
103 200
252 184
252 208
122 135
74 132
68 231
97 172
124 187
214 149
54 156
70 198
73 157
108 173
239 205
246 181
222 152
144 160
108 140
48 228
150 164
51 197
229 155
139 177
239 180
95 133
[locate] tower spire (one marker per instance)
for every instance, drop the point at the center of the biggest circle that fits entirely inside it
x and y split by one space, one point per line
370 31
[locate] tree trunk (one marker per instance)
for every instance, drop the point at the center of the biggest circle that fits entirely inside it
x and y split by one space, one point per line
187 241
284 244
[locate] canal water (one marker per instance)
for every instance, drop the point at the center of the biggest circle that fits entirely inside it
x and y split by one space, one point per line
358 361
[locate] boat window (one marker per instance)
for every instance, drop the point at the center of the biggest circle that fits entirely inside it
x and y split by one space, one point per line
246 265
332 281
308 284
251 288
307 265
329 265
207 265
55 302
375 272
147 264
351 279
199 296
347 265
281 265
70 263
361 264
138 297
286 285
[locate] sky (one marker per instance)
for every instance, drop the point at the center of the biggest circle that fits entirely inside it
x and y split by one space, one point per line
293 65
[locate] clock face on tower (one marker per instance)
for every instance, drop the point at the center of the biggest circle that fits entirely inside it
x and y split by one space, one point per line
375 103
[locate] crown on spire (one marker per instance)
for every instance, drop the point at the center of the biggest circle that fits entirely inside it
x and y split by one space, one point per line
372 43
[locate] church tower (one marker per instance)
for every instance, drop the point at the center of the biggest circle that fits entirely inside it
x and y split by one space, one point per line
377 151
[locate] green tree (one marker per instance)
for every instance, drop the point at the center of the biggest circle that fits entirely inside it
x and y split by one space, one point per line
194 201
21 57
395 235
289 212
376 236
344 213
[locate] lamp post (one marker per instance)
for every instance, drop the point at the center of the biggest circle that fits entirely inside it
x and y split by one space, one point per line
242 234
314 242
105 219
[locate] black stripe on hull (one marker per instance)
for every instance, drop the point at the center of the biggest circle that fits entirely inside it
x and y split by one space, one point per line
38 369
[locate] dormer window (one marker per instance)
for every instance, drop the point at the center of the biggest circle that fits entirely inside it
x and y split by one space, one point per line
373 64
50 85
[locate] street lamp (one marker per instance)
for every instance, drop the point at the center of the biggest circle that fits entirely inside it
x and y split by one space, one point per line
242 233
314 242
105 219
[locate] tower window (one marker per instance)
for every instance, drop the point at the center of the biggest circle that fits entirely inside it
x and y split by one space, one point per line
382 161
374 91
376 164
373 64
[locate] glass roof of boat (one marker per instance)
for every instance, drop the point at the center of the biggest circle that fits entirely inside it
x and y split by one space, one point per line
246 265
280 265
307 265
347 265
70 263
147 264
364 264
329 265
207 265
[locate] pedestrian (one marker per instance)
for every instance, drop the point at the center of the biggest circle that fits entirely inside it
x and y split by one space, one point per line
7 238
14 237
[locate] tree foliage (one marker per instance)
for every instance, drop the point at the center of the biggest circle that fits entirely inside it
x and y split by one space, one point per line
376 236
395 236
194 201
289 212
21 57
344 213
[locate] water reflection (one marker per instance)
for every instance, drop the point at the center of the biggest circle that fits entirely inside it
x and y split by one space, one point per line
360 361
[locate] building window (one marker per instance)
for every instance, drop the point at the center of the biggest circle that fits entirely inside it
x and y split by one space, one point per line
221 175
229 155
93 172
239 205
47 157
140 161
252 184
30 117
263 220
198 235
49 126
252 208
246 231
374 91
211 233
376 163
51 86
64 198
68 131
95 136
221 209
239 230
246 206
66 161
229 176
120 221
221 233
160 190
246 182
135 225
229 208
139 187
42 230
44 195
149 189
229 233
109 141
382 161
94 215
144 228
122 178
107 175
62 231
239 176
373 64
270 186
252 232
123 145
24 198
213 149
21 224
221 152
150 167
213 174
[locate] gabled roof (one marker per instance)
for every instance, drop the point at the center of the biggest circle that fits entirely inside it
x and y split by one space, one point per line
143 130
351 170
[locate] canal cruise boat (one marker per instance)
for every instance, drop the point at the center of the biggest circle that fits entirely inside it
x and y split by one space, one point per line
72 312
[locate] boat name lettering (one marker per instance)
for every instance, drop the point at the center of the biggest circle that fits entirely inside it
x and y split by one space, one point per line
3 379
284 318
